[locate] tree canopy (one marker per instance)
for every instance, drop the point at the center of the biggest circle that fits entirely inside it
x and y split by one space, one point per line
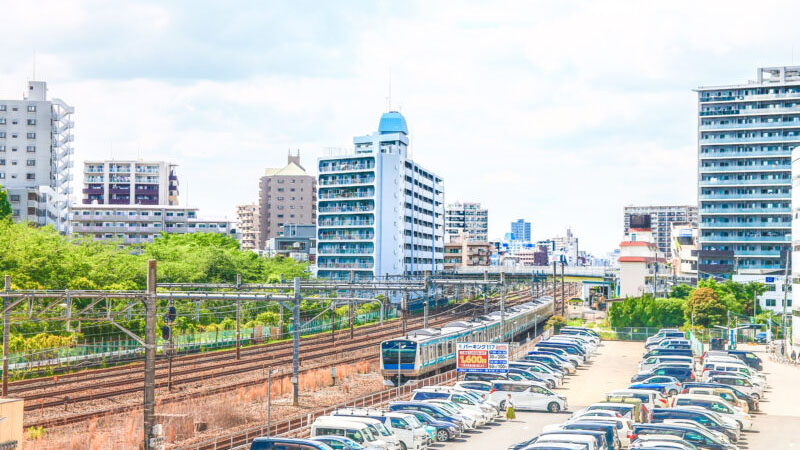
5 205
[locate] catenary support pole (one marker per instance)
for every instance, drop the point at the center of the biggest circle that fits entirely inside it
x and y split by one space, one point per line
555 291
350 307
150 354
502 306
238 316
171 349
563 294
6 334
485 292
296 345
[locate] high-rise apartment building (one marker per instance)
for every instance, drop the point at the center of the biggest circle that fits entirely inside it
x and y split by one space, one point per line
746 136
248 223
36 156
469 218
129 182
287 195
661 218
521 231
379 212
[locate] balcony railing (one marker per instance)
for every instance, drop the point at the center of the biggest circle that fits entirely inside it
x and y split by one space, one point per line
778 225
344 181
771 182
745 210
341 166
330 195
735 140
774 196
786 239
360 250
346 223
736 126
346 237
746 154
761 168
345 208
349 265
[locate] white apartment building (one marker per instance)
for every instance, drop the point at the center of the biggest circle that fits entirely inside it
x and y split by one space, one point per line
248 220
112 182
378 212
661 218
468 217
36 156
141 224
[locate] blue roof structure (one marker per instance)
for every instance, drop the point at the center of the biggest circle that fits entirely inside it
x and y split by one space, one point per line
392 122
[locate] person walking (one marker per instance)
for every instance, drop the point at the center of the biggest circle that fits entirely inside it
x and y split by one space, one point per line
510 409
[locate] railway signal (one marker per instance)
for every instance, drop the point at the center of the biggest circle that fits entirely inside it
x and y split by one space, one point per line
165 332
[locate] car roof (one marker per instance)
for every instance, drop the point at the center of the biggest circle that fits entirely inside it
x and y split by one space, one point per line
341 421
698 397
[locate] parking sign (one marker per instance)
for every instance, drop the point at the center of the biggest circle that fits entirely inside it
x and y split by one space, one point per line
481 357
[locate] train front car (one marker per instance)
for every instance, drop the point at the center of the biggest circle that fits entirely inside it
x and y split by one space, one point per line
399 361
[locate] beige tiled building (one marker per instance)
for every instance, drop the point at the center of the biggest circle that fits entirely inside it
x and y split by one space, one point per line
247 217
461 252
287 195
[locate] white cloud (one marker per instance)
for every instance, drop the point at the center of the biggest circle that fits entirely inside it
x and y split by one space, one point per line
558 112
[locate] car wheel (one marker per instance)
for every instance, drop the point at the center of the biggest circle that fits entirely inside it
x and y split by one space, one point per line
403 446
554 407
672 392
741 426
442 435
756 396
502 405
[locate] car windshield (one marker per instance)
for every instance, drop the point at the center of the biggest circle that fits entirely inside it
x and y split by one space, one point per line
454 406
381 429
358 436
412 420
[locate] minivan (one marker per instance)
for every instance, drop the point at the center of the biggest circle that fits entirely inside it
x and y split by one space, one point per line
353 429
718 405
527 396
408 430
653 361
278 443
699 438
749 358
668 351
436 412
704 418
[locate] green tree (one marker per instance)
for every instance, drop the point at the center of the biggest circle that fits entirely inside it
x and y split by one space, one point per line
556 323
707 308
682 290
5 205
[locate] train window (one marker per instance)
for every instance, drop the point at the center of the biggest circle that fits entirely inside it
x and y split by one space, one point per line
450 347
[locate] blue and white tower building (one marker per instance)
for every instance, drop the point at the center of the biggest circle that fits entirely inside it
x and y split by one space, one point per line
378 212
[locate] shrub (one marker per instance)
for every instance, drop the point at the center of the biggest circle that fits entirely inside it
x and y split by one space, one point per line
556 323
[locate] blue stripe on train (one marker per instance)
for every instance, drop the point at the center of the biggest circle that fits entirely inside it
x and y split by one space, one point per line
394 367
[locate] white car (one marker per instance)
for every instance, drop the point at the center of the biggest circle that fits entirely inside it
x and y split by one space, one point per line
566 438
718 405
622 425
527 396
473 418
539 370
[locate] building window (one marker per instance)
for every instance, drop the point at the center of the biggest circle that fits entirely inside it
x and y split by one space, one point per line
2 107
31 121
280 216
30 176
280 199
31 108
2 162
30 162
13 198
2 176
2 134
2 120
2 148
31 149
31 135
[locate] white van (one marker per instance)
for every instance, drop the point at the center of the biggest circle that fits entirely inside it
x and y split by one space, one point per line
357 431
737 367
718 405
379 430
527 396
739 382
568 439
652 361
409 431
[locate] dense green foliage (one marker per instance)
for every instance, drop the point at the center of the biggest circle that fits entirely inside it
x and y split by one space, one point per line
646 311
709 302
40 258
5 205
556 323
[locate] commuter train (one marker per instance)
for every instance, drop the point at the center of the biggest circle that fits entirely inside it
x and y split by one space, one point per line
428 351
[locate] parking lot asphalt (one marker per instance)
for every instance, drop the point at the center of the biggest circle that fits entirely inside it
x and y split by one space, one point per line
611 368
777 426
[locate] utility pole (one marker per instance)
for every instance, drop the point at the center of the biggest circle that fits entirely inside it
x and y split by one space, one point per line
427 294
350 306
6 333
563 294
238 315
555 290
785 294
485 292
150 354
404 307
296 346
171 346
503 305
333 321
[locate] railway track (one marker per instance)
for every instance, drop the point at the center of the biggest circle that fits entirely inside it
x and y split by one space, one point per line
216 365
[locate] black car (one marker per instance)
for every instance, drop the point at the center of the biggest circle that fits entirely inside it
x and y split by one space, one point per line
748 358
683 374
702 417
600 438
700 438
609 429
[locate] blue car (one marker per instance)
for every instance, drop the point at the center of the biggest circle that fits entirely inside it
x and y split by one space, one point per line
273 443
445 430
339 442
430 409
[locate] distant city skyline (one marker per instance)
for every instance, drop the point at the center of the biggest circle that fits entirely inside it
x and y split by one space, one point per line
563 134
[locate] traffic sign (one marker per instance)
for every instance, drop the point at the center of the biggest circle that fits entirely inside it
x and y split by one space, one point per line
481 357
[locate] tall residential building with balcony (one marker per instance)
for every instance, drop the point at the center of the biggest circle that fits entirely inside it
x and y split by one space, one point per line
36 156
379 212
130 182
286 195
469 218
662 217
461 251
746 136
248 223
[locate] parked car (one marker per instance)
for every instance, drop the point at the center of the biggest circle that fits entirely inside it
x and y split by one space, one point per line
702 439
408 430
673 385
272 443
752 402
433 410
749 358
718 405
707 419
353 429
443 431
527 396
682 374
739 382
611 439
761 337
339 442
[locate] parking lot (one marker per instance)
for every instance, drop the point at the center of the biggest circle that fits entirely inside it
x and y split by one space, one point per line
776 427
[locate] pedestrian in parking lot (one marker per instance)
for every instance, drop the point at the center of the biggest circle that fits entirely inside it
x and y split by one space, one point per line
510 409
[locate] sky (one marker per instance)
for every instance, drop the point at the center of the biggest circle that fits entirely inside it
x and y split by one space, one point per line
559 112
